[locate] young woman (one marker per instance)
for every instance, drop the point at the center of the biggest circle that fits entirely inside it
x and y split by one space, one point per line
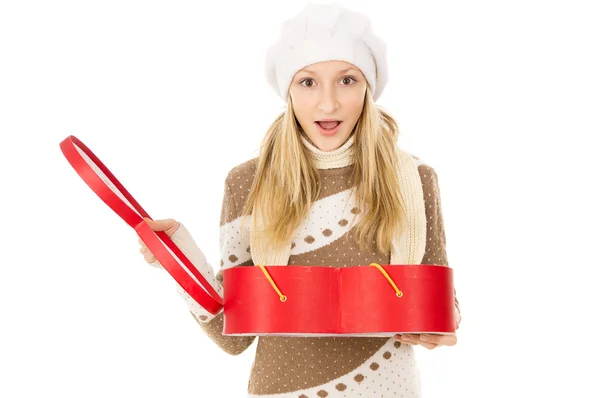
330 187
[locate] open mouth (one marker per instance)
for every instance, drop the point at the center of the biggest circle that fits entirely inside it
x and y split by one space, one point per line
328 128
330 125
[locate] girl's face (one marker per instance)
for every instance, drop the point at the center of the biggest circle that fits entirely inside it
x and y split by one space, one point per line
328 90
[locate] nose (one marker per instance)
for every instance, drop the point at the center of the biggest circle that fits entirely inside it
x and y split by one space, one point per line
328 102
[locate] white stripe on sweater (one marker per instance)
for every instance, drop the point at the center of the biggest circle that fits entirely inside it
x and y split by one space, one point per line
234 242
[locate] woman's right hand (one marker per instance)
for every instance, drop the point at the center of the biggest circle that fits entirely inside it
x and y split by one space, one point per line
169 226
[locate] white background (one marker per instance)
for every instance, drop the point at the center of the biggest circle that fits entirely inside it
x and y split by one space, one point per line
501 98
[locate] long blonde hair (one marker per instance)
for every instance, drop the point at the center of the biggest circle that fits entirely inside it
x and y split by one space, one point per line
286 183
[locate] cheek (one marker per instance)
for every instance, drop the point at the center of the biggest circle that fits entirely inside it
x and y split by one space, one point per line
303 111
356 107
354 101
304 119
302 116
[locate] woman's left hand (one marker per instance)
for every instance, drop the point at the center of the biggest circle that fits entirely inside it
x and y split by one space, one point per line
429 341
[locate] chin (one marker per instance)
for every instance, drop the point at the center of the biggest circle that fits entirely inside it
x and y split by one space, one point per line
329 145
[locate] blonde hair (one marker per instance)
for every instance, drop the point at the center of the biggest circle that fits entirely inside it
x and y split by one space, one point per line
286 183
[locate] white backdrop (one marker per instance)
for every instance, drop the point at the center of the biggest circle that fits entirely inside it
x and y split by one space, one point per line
501 98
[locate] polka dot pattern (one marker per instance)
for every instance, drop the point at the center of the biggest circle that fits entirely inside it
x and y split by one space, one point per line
391 371
329 366
435 249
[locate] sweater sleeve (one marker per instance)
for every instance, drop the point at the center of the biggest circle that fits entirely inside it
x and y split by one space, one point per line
212 324
435 249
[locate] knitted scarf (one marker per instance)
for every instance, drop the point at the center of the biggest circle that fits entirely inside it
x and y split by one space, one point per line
406 248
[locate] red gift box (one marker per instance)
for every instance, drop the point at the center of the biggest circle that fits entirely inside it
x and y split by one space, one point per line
357 300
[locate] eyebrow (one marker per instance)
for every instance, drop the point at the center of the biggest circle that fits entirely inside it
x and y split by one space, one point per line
342 71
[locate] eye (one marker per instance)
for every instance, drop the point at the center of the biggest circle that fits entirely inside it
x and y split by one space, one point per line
343 78
305 80
349 77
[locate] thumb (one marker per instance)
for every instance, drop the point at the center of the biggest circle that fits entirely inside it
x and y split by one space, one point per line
162 225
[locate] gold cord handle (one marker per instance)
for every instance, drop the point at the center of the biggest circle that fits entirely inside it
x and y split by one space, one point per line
282 297
398 292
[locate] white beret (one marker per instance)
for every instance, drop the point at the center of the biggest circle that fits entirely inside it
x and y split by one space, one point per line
326 32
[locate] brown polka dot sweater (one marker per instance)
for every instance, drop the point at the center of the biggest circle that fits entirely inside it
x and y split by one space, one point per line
328 366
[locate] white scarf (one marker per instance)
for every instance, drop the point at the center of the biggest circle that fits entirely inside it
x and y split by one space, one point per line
407 248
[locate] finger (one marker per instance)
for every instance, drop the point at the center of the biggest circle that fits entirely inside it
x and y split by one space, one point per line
447 339
444 339
429 346
398 337
408 338
149 258
414 339
173 228
143 249
161 225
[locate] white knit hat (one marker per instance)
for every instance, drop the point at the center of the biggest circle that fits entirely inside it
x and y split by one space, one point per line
326 32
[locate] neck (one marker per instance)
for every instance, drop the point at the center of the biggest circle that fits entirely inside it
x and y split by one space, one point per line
340 157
